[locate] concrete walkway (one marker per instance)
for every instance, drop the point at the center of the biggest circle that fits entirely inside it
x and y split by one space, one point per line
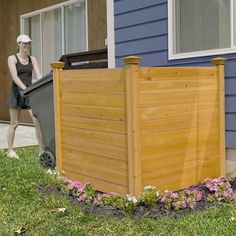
25 136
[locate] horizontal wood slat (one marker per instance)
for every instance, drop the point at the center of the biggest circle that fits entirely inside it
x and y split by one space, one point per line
107 100
177 176
191 155
93 75
177 73
119 166
186 166
116 126
95 148
102 185
196 119
96 173
94 136
177 136
95 112
94 87
180 177
96 168
177 85
169 98
175 110
180 147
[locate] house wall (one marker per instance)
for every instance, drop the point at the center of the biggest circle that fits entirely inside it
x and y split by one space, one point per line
141 28
10 12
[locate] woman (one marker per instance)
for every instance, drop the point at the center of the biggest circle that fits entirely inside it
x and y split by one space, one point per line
21 66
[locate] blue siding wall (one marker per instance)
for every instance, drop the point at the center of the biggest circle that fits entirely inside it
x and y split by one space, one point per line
141 28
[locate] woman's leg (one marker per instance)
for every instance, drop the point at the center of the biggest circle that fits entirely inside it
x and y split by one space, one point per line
37 131
14 116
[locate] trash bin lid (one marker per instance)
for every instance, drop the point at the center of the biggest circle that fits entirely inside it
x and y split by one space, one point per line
44 80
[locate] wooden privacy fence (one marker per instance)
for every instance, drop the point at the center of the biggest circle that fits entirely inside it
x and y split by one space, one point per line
126 128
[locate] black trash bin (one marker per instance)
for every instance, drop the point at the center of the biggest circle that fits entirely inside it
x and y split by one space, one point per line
41 100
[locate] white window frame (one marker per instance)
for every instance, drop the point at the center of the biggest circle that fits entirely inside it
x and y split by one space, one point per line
110 34
60 5
172 37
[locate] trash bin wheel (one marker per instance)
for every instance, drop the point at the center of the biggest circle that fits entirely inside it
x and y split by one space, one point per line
47 160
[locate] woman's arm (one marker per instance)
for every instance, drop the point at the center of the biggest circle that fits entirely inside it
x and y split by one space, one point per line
36 68
12 67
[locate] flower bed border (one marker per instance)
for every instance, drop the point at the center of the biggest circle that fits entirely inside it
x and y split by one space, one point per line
142 209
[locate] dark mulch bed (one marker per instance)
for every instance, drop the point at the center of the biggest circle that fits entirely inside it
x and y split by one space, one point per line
140 212
106 211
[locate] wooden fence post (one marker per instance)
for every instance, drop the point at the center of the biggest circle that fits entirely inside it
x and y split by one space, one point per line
220 64
57 66
133 124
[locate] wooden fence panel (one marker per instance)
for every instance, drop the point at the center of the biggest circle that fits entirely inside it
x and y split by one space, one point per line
180 133
93 127
123 129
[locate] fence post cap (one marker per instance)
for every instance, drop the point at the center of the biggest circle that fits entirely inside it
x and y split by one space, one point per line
219 61
57 65
132 60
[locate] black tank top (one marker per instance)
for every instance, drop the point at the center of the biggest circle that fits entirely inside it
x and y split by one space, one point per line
24 72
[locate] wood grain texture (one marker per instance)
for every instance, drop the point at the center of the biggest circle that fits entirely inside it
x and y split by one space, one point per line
180 125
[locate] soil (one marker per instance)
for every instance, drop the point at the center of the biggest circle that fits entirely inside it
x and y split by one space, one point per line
140 212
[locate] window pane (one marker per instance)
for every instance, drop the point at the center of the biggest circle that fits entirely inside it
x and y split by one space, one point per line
234 23
197 30
75 28
52 42
32 28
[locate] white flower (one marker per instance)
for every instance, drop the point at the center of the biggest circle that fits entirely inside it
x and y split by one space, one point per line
157 194
49 171
131 198
53 172
150 187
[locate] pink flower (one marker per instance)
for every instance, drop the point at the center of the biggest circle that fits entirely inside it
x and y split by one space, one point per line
175 195
82 198
163 199
220 189
175 204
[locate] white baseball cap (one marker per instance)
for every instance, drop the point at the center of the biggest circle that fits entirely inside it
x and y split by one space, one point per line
23 38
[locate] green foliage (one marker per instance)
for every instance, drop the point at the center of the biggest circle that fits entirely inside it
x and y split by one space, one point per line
90 193
128 206
149 196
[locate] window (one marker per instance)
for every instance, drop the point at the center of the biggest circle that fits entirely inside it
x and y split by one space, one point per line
202 27
57 30
234 24
75 29
51 37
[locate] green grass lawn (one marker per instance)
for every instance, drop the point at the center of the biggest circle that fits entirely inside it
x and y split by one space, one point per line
21 205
